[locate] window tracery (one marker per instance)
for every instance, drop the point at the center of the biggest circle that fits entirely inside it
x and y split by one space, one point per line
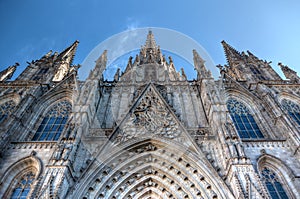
273 184
243 120
293 110
23 186
6 109
53 123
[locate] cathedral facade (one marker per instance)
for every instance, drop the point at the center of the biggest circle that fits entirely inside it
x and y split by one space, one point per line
150 132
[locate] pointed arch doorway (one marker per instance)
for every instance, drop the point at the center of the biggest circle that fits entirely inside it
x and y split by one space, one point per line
151 168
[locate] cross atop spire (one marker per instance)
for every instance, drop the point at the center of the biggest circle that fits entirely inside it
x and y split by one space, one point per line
150 42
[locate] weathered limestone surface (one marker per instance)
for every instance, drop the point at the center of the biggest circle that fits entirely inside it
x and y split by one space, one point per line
150 132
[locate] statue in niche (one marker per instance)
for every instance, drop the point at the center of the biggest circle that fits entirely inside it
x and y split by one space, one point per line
151 56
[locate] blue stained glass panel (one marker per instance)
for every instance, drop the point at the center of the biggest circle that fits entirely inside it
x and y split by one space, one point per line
293 110
273 184
243 120
54 122
22 188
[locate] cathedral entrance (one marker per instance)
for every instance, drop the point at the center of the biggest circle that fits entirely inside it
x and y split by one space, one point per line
150 169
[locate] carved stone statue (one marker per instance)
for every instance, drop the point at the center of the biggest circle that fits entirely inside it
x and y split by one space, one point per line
61 72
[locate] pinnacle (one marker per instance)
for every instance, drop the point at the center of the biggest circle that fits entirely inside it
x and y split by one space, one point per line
229 49
199 65
69 52
100 66
150 42
197 57
8 72
231 53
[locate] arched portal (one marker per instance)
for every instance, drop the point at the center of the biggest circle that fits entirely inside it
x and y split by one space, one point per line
152 169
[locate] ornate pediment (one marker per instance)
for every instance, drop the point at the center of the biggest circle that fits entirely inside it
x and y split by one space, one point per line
150 116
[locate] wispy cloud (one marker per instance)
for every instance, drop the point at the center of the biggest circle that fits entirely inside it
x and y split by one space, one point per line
131 23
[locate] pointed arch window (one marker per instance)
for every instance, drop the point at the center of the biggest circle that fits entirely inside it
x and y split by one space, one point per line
23 186
243 120
292 109
6 109
273 184
54 122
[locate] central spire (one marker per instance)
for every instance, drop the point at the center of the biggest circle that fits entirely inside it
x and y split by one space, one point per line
150 42
150 52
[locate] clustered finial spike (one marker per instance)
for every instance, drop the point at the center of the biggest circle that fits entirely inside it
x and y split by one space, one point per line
197 57
65 60
199 65
8 72
68 54
150 42
150 52
99 67
289 73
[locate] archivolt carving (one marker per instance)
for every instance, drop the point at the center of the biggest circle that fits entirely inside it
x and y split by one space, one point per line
154 168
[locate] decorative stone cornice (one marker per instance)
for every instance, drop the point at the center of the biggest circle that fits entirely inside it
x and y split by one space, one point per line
32 145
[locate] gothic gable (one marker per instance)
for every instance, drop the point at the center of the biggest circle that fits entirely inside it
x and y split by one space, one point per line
149 117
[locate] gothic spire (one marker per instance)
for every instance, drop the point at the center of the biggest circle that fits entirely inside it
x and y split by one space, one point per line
150 42
150 52
64 61
129 64
8 72
199 65
289 73
99 67
232 55
68 54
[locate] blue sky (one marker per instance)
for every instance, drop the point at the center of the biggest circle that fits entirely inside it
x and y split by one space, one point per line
268 28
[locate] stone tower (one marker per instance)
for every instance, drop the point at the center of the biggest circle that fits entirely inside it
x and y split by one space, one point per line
150 132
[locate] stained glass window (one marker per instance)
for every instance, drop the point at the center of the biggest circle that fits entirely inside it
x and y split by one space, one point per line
293 110
243 120
22 189
273 184
54 122
6 109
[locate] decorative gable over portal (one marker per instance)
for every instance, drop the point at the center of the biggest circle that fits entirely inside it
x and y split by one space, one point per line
150 117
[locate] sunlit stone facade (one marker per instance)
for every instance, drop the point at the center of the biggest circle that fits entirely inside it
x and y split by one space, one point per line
151 132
